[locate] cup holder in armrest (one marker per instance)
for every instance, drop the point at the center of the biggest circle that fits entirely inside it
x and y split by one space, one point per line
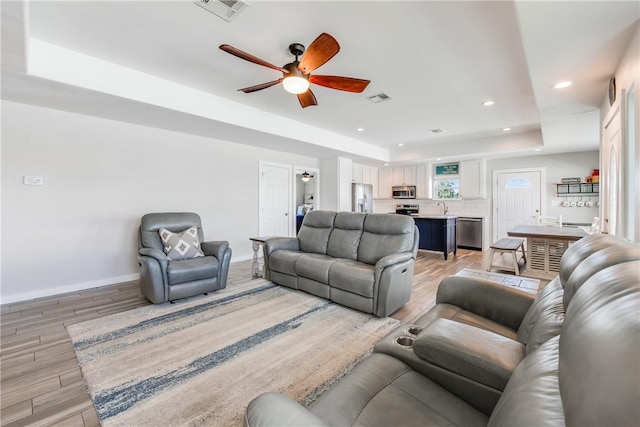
414 330
404 341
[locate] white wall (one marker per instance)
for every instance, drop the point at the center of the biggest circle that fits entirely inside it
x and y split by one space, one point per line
79 229
335 191
558 166
628 77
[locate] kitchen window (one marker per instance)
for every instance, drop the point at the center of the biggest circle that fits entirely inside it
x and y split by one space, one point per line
448 188
446 182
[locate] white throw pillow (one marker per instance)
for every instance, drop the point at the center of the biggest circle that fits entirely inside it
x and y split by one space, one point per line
182 245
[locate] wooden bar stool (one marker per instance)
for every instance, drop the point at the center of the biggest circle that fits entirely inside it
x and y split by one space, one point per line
511 245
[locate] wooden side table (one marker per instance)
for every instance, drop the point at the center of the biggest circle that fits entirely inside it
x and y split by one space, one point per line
256 243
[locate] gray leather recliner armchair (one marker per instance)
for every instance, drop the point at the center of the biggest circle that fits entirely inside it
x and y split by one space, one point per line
162 279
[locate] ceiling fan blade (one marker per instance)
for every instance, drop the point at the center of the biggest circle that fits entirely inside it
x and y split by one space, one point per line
248 57
261 86
307 98
319 52
348 84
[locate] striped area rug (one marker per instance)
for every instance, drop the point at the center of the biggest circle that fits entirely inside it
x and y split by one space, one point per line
202 360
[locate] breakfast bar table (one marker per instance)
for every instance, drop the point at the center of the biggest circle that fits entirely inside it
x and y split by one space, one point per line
545 247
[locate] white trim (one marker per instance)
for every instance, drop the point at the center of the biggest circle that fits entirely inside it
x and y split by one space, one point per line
82 286
494 196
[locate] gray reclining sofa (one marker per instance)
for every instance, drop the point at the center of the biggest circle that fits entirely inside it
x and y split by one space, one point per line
363 261
570 356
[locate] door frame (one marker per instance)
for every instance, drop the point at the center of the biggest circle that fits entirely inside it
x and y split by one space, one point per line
261 192
616 117
494 195
298 170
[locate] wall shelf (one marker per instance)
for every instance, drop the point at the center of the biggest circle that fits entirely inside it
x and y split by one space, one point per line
581 189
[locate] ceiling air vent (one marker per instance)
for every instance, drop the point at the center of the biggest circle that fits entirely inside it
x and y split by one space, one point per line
225 9
435 131
379 97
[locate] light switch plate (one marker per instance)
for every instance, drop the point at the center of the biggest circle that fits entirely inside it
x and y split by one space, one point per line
33 180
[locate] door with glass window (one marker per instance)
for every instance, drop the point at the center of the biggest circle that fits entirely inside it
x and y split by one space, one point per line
517 199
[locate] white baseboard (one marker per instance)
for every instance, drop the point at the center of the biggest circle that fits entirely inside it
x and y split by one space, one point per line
24 296
41 293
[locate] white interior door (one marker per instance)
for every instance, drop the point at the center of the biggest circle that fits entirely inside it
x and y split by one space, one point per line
611 172
517 197
275 199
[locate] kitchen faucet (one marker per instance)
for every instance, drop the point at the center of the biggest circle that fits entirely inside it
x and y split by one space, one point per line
445 209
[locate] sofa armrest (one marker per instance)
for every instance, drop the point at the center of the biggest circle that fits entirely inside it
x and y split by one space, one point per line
474 353
156 254
273 409
216 248
480 396
276 243
503 304
393 259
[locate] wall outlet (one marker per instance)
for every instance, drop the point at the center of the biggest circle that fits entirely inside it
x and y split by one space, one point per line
33 180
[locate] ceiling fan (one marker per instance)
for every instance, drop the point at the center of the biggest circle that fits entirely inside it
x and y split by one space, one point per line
296 76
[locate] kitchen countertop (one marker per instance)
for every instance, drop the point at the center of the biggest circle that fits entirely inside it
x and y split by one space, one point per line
419 216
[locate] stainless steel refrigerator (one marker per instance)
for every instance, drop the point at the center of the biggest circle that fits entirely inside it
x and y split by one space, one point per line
361 197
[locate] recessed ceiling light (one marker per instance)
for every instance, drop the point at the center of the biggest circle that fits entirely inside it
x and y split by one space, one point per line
488 103
386 164
400 145
537 149
439 158
360 129
562 85
506 129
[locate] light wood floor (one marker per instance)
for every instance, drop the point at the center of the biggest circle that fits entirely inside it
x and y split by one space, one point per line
40 380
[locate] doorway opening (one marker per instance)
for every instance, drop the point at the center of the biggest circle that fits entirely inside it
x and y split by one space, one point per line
305 193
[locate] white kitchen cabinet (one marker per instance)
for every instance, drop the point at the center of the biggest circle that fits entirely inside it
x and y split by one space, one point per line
385 182
472 179
410 175
373 180
357 175
363 174
366 175
423 182
404 175
398 175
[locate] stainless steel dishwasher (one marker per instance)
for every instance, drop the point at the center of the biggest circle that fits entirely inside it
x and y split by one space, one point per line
470 233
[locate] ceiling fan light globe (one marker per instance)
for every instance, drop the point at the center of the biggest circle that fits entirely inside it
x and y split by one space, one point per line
295 84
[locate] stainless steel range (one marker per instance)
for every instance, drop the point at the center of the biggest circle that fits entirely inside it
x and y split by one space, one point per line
407 209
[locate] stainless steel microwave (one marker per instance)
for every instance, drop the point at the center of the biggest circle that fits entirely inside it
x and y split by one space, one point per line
403 191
